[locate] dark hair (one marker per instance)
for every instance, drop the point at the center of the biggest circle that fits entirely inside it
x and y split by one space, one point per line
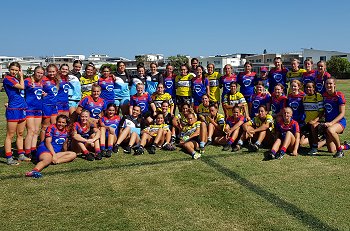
260 83
213 105
263 106
77 61
194 59
15 64
57 77
112 105
233 83
236 107
248 63
62 116
153 63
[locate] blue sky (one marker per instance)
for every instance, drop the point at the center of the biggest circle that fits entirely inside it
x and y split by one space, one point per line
125 28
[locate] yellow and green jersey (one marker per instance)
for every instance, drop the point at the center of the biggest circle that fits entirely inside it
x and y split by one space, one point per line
257 121
183 85
313 106
214 86
86 85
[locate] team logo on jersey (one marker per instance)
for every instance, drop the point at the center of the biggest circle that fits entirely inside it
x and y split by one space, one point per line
227 86
142 106
113 126
60 141
21 93
109 87
294 105
273 108
65 88
169 84
328 107
54 90
96 111
197 88
256 103
277 77
319 86
247 82
38 93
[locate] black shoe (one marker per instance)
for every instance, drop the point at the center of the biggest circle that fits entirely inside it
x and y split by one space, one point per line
236 148
90 157
108 153
127 150
268 156
338 154
272 155
209 142
280 155
173 139
139 151
226 147
116 148
98 156
103 153
253 147
152 149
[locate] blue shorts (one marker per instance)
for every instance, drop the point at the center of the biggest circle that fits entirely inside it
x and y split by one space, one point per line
43 149
122 101
136 130
63 107
15 114
73 103
34 113
49 110
342 122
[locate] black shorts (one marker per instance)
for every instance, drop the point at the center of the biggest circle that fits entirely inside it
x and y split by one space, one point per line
183 99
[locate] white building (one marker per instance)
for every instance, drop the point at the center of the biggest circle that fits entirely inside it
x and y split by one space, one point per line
97 57
220 61
151 57
77 57
318 55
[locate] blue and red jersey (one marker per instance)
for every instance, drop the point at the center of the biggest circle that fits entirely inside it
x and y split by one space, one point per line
85 132
283 128
225 82
33 94
295 102
15 95
169 85
332 103
320 81
257 100
308 76
107 88
231 121
111 122
277 76
246 82
199 88
94 107
277 103
58 139
50 88
141 101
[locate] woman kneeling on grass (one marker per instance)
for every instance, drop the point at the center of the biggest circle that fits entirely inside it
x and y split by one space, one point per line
190 136
53 150
288 136
86 136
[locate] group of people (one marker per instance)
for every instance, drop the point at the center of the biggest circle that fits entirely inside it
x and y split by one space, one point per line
97 113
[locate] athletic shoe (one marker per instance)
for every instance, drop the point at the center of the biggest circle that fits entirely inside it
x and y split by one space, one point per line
166 146
226 147
236 148
98 156
139 151
196 156
272 155
108 153
173 139
280 155
11 161
312 152
22 157
116 148
90 157
209 142
201 151
338 154
127 150
152 149
103 152
253 147
34 174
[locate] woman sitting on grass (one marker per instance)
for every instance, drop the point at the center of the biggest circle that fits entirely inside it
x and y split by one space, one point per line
288 136
190 136
215 123
53 150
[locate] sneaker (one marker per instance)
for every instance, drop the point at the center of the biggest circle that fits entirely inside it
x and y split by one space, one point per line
103 153
272 155
139 151
166 146
11 161
201 151
268 156
127 150
226 147
253 147
23 157
152 149
108 153
90 156
34 174
196 156
236 148
98 156
312 152
280 155
116 148
338 154
173 139
209 142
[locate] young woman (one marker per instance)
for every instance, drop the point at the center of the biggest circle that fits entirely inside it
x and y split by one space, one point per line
183 86
214 83
226 80
88 79
153 79
288 136
106 82
168 120
169 81
310 74
200 87
235 98
335 122
321 76
278 101
109 126
121 88
153 135
263 77
86 137
261 97
295 102
215 123
136 79
203 108
277 75
74 91
190 136
15 112
62 95
158 97
53 150
33 96
141 99
246 81
77 65
295 73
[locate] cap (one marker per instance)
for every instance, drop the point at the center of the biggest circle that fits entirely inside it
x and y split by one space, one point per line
264 69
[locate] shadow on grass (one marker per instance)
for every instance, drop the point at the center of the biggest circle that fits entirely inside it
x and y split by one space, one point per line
306 218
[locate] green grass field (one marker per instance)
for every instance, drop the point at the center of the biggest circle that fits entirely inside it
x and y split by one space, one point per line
170 191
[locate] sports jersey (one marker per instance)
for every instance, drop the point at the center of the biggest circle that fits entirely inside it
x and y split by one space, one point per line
277 76
152 82
51 90
225 82
277 103
313 106
231 121
136 79
203 110
62 95
283 128
169 85
168 119
135 124
264 81
294 75
233 100
107 88
320 81
219 119
58 139
189 130
183 85
199 88
111 122
332 103
94 107
33 94
86 85
214 86
308 76
15 95
141 101
182 118
257 121
246 83
121 86
257 100
158 99
84 132
155 128
74 91
296 103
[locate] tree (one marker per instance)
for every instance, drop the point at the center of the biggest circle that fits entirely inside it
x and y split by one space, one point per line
177 61
29 71
112 66
338 67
